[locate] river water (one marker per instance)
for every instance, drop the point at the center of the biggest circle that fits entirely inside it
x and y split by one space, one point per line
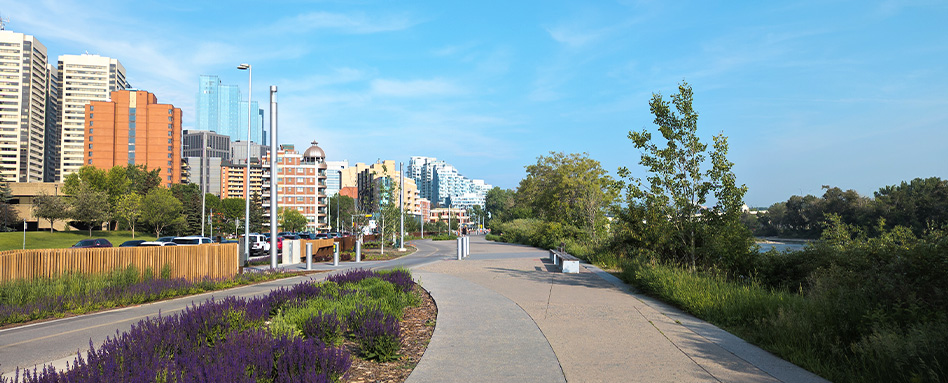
781 246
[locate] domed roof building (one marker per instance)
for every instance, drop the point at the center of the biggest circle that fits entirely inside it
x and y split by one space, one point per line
301 181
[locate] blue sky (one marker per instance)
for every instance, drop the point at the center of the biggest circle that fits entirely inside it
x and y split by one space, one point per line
852 94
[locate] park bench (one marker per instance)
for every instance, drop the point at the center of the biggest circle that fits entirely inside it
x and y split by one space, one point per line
567 263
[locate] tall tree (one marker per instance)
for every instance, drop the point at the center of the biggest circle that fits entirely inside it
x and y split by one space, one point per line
51 208
678 187
291 220
161 209
921 204
129 209
87 175
91 207
569 189
343 207
190 197
8 215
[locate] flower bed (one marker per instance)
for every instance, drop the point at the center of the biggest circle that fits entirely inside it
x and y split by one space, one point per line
290 335
24 301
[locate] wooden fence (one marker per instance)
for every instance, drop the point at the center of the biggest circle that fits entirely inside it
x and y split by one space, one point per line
191 262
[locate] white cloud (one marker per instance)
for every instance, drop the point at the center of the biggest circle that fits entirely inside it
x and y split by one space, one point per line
414 88
355 23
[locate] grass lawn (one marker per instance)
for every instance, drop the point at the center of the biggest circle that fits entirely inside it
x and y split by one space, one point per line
64 239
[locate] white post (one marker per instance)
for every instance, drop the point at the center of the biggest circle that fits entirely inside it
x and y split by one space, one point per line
24 234
309 256
203 181
358 251
335 253
460 248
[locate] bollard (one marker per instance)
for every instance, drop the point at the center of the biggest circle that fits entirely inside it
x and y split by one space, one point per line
309 256
335 253
460 248
358 251
467 246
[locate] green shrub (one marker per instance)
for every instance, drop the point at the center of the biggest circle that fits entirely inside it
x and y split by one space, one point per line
444 237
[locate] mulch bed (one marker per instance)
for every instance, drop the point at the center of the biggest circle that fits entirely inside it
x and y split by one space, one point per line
418 324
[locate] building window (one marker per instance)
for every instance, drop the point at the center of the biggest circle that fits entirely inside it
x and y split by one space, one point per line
90 131
90 154
90 146
169 133
90 123
90 138
91 107
170 111
169 140
90 115
169 148
169 155
90 162
170 119
169 163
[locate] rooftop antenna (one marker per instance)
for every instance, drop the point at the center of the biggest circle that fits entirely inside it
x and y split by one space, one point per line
3 23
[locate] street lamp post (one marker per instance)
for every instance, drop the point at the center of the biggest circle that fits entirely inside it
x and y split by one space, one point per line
247 174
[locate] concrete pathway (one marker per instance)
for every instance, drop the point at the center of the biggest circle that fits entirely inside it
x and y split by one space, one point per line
598 329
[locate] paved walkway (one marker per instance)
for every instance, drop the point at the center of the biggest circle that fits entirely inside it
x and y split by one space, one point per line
505 314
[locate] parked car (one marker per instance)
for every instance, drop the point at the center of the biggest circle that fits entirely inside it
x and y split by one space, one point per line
290 236
88 243
157 243
279 242
165 239
192 240
258 244
322 236
132 243
306 235
335 235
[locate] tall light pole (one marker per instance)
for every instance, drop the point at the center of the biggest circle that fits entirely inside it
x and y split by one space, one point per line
401 206
247 175
273 176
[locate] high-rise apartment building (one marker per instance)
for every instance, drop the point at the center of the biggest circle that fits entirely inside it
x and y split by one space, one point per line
301 184
24 88
234 181
53 127
133 128
220 109
83 79
443 184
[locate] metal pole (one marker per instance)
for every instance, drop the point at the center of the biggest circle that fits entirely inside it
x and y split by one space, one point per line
309 256
328 210
401 206
273 176
460 248
247 172
359 251
210 221
203 181
24 234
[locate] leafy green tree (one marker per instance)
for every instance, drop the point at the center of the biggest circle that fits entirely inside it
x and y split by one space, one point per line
8 215
51 208
90 206
232 210
190 197
501 205
129 210
572 190
921 204
161 209
343 207
257 217
291 220
141 179
674 201
87 175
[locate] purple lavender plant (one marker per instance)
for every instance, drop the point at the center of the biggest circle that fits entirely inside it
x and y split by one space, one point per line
351 276
326 327
379 336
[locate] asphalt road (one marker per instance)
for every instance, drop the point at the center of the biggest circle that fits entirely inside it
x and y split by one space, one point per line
58 341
